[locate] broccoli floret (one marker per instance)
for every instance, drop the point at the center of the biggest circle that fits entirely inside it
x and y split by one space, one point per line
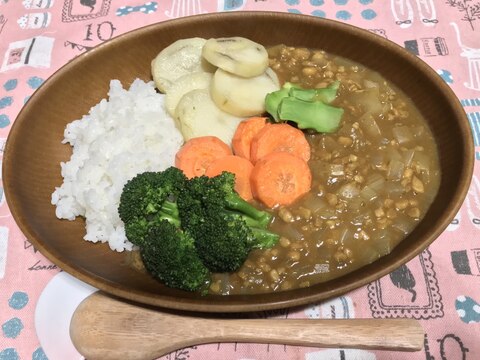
225 227
307 108
223 192
169 254
149 198
222 242
187 228
219 191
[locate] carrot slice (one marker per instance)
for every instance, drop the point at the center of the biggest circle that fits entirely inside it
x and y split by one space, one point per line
279 137
197 154
280 178
241 167
244 134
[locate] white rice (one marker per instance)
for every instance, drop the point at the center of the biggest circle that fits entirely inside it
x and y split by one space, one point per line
120 137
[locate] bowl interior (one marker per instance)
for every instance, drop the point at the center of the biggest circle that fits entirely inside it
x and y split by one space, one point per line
34 150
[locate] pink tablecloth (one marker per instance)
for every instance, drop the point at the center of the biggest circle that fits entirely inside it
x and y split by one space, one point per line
441 287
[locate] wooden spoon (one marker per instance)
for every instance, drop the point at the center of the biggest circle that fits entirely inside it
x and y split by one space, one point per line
106 328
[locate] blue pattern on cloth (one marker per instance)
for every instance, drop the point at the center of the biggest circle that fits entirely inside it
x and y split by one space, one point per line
10 84
6 101
9 354
4 121
39 354
12 328
470 102
368 14
468 309
18 300
34 82
146 8
229 5
474 120
319 13
446 75
343 15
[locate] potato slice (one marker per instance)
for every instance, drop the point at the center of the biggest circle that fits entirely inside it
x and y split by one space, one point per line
197 115
242 96
237 55
178 59
185 84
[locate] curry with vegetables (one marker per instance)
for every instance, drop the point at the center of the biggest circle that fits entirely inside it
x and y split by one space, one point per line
372 180
331 169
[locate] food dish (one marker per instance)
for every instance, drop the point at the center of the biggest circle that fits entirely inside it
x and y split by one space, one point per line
454 160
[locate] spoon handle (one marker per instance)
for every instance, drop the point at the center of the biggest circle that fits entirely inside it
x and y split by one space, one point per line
381 334
106 328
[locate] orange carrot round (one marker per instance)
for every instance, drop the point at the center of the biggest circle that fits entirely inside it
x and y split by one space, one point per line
241 167
244 134
279 138
280 178
197 154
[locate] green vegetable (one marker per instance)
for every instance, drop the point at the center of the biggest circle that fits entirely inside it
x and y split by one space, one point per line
222 242
171 257
225 227
311 114
187 228
149 198
308 108
326 95
273 100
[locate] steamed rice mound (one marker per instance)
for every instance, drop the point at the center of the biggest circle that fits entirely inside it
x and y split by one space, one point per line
127 134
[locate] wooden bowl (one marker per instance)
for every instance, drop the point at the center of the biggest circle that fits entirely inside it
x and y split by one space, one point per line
31 164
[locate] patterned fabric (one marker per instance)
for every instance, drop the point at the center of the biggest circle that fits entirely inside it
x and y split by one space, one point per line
440 287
